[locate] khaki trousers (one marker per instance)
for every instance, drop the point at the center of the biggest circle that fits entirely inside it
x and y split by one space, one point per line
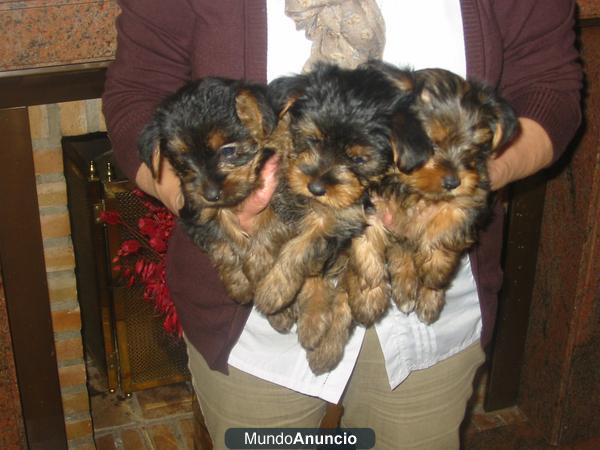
424 412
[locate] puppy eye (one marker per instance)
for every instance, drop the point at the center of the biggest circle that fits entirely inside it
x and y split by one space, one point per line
228 150
356 159
312 141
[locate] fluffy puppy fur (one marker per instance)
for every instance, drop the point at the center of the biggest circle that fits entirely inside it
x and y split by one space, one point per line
438 207
366 277
214 132
339 125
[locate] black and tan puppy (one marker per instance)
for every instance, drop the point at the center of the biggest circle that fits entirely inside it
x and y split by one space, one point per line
339 125
214 133
367 277
438 207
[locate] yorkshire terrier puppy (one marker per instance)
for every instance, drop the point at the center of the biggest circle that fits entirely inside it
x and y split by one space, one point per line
214 132
367 277
438 207
339 124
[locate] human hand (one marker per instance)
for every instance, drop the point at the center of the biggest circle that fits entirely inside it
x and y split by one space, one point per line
260 198
166 186
528 153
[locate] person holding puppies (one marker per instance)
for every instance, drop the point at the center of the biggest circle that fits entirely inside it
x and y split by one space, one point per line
407 380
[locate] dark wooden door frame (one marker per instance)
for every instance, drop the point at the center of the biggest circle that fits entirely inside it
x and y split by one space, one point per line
21 248
26 289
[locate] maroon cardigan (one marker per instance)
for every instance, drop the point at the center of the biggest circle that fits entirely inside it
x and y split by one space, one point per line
524 47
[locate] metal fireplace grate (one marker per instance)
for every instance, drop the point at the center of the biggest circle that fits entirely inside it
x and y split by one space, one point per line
122 332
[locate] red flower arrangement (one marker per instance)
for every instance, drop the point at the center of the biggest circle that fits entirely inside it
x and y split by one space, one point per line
147 267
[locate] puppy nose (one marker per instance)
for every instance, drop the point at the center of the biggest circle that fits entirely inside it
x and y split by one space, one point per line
211 193
317 187
450 182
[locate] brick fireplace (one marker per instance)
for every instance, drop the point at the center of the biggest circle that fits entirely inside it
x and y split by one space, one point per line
44 96
48 125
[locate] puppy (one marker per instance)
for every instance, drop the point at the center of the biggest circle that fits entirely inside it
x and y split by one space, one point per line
214 133
339 124
367 277
438 207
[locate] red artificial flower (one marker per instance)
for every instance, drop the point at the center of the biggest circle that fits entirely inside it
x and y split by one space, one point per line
148 268
110 217
158 244
130 246
147 226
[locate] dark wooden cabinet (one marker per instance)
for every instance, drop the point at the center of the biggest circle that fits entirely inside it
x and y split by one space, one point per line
546 358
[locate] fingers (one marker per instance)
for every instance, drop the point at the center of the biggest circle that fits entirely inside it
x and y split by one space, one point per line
260 198
269 181
166 188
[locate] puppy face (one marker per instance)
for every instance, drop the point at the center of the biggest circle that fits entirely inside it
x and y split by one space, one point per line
464 122
212 132
340 122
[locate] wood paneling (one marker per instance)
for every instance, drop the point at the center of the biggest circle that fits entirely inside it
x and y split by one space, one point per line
26 288
560 385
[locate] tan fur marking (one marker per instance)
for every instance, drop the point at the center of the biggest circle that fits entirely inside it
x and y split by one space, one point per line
359 151
446 221
427 178
404 83
437 131
240 182
216 139
344 194
498 135
249 113
483 135
156 159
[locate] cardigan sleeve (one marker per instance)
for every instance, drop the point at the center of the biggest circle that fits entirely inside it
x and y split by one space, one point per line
154 39
541 74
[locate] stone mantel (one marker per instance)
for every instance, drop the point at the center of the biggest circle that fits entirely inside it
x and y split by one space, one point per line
45 33
53 33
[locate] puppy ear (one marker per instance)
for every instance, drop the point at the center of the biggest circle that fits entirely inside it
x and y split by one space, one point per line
283 92
401 78
506 124
410 143
149 147
498 114
250 114
286 107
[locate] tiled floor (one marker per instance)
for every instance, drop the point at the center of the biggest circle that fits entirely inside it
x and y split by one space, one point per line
162 419
153 419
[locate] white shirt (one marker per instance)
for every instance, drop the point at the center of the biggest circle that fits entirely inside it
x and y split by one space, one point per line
419 34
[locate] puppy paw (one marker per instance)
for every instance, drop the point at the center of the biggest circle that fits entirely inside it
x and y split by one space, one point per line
430 304
326 356
284 320
404 293
239 288
273 293
369 305
312 326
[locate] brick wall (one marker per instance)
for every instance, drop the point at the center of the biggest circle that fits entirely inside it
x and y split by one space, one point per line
49 123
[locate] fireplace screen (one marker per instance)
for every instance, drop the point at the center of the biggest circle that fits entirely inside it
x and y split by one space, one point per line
123 334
